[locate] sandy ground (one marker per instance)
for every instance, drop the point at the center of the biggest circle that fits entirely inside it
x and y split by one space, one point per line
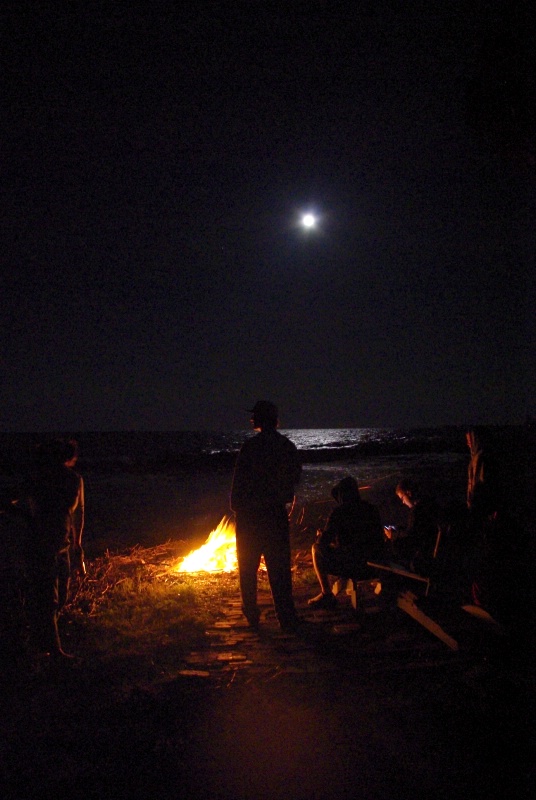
385 712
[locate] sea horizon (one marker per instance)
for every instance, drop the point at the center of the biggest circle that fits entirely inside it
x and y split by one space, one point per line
189 450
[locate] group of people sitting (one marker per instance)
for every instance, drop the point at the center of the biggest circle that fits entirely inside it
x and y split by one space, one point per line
354 536
470 552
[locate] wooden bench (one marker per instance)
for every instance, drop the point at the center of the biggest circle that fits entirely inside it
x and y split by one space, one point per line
364 592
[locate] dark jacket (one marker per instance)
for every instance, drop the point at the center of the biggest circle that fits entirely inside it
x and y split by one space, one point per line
267 471
483 484
53 496
354 528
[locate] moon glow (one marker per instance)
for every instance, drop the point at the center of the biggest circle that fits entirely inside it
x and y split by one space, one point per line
308 220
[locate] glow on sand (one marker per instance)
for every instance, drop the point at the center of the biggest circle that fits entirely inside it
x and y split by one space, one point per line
217 554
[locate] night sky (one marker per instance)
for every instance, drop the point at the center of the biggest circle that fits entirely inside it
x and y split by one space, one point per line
156 161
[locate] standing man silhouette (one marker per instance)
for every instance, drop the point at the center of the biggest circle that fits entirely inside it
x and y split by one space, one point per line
55 499
267 471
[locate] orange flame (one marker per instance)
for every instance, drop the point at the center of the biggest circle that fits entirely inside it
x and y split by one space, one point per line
218 554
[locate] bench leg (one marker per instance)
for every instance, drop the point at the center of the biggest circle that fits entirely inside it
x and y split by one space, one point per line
406 602
358 590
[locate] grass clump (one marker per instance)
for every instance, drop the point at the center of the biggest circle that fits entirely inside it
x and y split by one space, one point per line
135 605
134 610
142 614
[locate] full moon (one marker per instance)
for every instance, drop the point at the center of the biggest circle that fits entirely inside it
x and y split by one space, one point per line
308 220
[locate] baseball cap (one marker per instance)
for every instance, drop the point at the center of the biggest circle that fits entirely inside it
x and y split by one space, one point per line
264 409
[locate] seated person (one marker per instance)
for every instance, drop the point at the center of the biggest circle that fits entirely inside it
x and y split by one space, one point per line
414 545
352 536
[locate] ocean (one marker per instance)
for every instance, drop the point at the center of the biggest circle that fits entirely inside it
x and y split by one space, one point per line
149 487
165 451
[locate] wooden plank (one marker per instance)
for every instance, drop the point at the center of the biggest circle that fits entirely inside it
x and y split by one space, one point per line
404 573
482 614
406 602
365 590
342 585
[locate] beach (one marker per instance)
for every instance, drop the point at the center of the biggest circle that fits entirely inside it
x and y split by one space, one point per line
374 708
125 509
146 488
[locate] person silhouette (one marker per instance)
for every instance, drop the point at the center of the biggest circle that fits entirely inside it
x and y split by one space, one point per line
416 542
54 495
267 470
353 535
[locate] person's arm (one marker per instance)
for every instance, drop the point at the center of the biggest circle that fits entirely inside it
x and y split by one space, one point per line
297 467
329 536
241 486
78 529
289 473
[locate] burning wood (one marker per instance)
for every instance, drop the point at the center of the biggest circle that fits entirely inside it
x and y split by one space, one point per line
217 554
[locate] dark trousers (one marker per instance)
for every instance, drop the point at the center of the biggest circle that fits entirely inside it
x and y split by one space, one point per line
265 532
340 563
49 578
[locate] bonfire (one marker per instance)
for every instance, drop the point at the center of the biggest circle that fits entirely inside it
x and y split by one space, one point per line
217 554
212 564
